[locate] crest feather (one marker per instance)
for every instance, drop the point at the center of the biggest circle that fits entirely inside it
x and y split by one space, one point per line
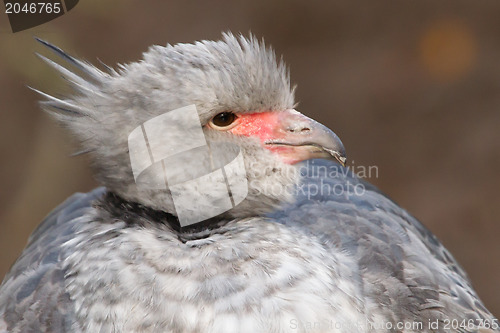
88 69
236 73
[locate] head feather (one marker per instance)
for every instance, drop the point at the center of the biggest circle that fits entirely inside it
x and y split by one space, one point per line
235 74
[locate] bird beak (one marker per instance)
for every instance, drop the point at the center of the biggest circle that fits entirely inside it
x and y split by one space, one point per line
299 138
292 136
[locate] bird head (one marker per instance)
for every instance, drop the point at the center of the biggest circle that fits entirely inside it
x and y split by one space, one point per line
244 104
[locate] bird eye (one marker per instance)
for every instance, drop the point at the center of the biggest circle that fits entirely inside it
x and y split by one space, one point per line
223 121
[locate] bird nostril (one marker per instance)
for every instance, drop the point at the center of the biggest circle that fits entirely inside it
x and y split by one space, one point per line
298 129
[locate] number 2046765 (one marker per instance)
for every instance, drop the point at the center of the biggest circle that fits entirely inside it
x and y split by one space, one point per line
33 8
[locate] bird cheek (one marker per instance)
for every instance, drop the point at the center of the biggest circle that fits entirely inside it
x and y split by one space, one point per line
287 154
261 125
265 126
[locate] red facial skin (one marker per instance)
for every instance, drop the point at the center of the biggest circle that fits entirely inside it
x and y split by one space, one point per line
266 126
262 125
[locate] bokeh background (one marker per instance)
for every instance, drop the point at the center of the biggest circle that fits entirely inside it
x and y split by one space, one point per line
412 87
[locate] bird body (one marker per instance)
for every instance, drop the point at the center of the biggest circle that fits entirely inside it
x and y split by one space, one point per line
314 256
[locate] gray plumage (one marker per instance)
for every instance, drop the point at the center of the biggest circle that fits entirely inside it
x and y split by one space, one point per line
295 260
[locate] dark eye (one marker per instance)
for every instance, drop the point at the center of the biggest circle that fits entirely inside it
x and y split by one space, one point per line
223 120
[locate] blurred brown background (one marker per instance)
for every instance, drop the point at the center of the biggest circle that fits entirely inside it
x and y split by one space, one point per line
412 87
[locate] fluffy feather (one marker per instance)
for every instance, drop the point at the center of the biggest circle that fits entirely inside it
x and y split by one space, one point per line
234 74
328 260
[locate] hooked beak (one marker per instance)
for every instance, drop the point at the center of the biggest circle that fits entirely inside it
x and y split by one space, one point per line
298 138
291 135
